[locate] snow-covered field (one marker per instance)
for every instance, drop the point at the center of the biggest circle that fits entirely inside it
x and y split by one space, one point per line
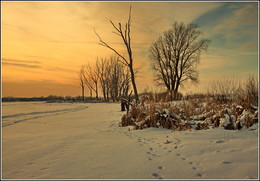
83 141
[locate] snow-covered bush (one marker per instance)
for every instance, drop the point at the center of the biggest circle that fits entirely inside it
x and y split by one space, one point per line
233 117
155 115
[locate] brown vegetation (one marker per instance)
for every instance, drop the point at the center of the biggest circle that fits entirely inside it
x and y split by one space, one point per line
194 113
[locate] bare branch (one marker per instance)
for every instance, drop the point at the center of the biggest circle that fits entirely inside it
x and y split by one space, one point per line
106 45
116 33
114 26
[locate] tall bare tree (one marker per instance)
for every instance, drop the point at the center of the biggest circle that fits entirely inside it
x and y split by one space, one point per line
124 33
175 55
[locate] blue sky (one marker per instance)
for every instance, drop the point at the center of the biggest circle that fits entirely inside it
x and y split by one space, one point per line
233 30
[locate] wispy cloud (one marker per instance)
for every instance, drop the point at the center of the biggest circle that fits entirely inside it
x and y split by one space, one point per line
34 64
240 24
248 46
39 57
21 65
20 61
249 53
51 68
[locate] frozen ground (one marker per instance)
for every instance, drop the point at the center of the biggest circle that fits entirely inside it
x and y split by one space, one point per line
83 141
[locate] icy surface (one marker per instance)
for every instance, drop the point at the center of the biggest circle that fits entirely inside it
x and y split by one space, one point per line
84 141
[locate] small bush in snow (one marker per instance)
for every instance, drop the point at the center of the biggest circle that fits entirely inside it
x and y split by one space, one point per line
155 115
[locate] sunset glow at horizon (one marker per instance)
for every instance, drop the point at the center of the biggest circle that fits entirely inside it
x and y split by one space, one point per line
45 43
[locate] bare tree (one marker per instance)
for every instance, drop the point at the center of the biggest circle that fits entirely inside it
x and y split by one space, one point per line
103 73
114 78
124 33
175 55
81 81
124 84
86 79
92 77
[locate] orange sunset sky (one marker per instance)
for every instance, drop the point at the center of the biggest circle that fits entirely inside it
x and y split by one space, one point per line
45 43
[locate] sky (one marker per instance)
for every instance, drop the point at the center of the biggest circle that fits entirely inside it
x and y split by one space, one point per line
44 44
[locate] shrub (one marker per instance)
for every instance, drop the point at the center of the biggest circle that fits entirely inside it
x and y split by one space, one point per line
155 115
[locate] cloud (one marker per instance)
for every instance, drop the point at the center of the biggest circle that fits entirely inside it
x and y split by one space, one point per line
60 34
34 64
40 57
248 46
246 15
21 65
249 53
52 68
20 61
28 33
234 25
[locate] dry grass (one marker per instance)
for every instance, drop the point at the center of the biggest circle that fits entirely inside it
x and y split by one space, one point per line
183 115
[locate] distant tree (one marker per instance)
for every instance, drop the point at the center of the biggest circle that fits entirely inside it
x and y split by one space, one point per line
103 72
125 84
124 33
91 77
114 78
87 80
81 81
119 79
175 55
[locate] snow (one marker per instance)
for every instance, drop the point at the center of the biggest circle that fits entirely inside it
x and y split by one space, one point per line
166 113
84 141
225 121
24 111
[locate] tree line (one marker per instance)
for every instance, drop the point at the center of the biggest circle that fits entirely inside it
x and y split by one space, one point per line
108 75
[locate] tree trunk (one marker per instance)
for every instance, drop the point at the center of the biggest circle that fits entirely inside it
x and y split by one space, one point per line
171 96
90 92
107 92
104 93
176 90
133 83
96 91
82 93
